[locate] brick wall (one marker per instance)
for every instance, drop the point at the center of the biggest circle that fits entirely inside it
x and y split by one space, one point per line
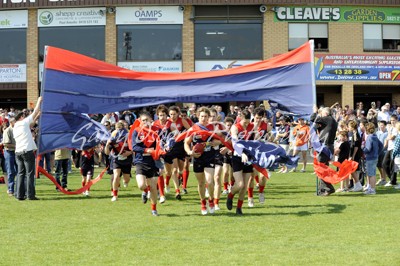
32 61
111 39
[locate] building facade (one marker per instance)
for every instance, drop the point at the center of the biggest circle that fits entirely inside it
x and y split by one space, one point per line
357 43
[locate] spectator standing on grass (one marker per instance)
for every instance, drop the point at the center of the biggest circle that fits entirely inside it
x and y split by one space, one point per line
371 150
388 161
382 134
343 152
9 156
61 158
355 154
326 127
302 134
24 152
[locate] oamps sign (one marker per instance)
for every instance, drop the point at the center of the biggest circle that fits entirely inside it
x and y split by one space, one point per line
149 15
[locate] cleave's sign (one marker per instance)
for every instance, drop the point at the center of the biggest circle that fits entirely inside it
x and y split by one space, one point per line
338 14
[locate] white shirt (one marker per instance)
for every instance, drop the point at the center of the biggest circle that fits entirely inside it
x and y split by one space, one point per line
23 135
384 116
391 131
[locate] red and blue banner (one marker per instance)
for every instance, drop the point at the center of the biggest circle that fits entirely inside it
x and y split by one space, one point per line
74 85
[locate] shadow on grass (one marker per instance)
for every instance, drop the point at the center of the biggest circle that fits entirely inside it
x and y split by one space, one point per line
313 210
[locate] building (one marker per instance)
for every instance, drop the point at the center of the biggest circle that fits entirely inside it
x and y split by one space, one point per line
357 43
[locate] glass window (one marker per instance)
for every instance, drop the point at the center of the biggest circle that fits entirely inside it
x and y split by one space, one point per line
149 42
381 37
228 41
89 40
299 33
13 46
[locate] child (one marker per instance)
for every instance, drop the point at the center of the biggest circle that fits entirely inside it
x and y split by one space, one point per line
62 157
343 153
87 167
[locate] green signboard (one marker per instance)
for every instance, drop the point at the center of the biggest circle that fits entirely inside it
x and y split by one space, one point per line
338 14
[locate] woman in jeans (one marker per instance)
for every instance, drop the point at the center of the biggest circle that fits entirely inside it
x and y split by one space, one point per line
371 150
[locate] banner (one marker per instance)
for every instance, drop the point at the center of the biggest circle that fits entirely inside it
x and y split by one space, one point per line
162 66
207 65
12 73
337 14
357 67
74 85
13 19
68 17
149 15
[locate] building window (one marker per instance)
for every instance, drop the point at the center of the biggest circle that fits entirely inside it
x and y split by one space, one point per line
228 32
89 40
13 46
299 33
149 42
381 37
228 41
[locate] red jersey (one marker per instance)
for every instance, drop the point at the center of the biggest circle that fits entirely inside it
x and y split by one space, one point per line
177 125
244 134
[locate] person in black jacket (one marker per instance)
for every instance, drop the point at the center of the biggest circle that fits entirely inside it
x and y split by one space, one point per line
326 127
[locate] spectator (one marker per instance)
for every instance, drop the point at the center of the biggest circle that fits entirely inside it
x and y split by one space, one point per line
382 135
62 157
384 114
25 146
9 156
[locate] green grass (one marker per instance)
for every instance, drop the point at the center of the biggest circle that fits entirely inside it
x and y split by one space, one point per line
292 227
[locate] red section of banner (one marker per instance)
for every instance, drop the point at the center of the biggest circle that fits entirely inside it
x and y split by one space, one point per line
329 175
67 61
79 191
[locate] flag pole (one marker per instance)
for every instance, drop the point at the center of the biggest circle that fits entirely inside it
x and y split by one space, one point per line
314 93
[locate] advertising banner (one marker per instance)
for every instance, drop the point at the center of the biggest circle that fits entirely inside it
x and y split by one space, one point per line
12 73
149 15
337 14
13 19
205 65
171 67
357 67
68 17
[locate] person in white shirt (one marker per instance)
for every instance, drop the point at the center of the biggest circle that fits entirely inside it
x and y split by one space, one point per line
388 161
24 153
384 114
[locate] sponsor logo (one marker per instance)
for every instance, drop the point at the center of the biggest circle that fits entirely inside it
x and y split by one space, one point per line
46 18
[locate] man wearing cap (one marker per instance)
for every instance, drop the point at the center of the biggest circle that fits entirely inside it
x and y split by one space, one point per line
24 148
326 126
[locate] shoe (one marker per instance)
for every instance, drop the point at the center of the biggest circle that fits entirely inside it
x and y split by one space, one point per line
184 190
357 188
178 196
261 197
33 198
204 211
225 192
154 213
216 207
66 189
229 203
126 184
250 202
293 170
280 171
10 193
339 190
284 171
239 211
397 186
162 199
86 193
211 207
370 192
167 189
381 182
144 197
367 187
388 184
20 199
207 193
114 198
302 171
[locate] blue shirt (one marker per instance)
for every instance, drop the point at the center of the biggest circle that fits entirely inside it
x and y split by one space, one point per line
382 135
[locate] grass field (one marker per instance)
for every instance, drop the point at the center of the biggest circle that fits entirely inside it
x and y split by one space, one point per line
293 227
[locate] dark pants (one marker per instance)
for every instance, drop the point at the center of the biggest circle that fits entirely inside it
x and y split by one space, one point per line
388 166
11 167
47 157
325 186
26 175
62 168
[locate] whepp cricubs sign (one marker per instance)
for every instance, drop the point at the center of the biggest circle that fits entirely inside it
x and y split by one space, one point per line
357 67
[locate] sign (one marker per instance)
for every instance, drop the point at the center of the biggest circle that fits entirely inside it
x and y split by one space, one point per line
13 19
357 67
68 17
172 66
220 64
12 73
338 14
149 15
